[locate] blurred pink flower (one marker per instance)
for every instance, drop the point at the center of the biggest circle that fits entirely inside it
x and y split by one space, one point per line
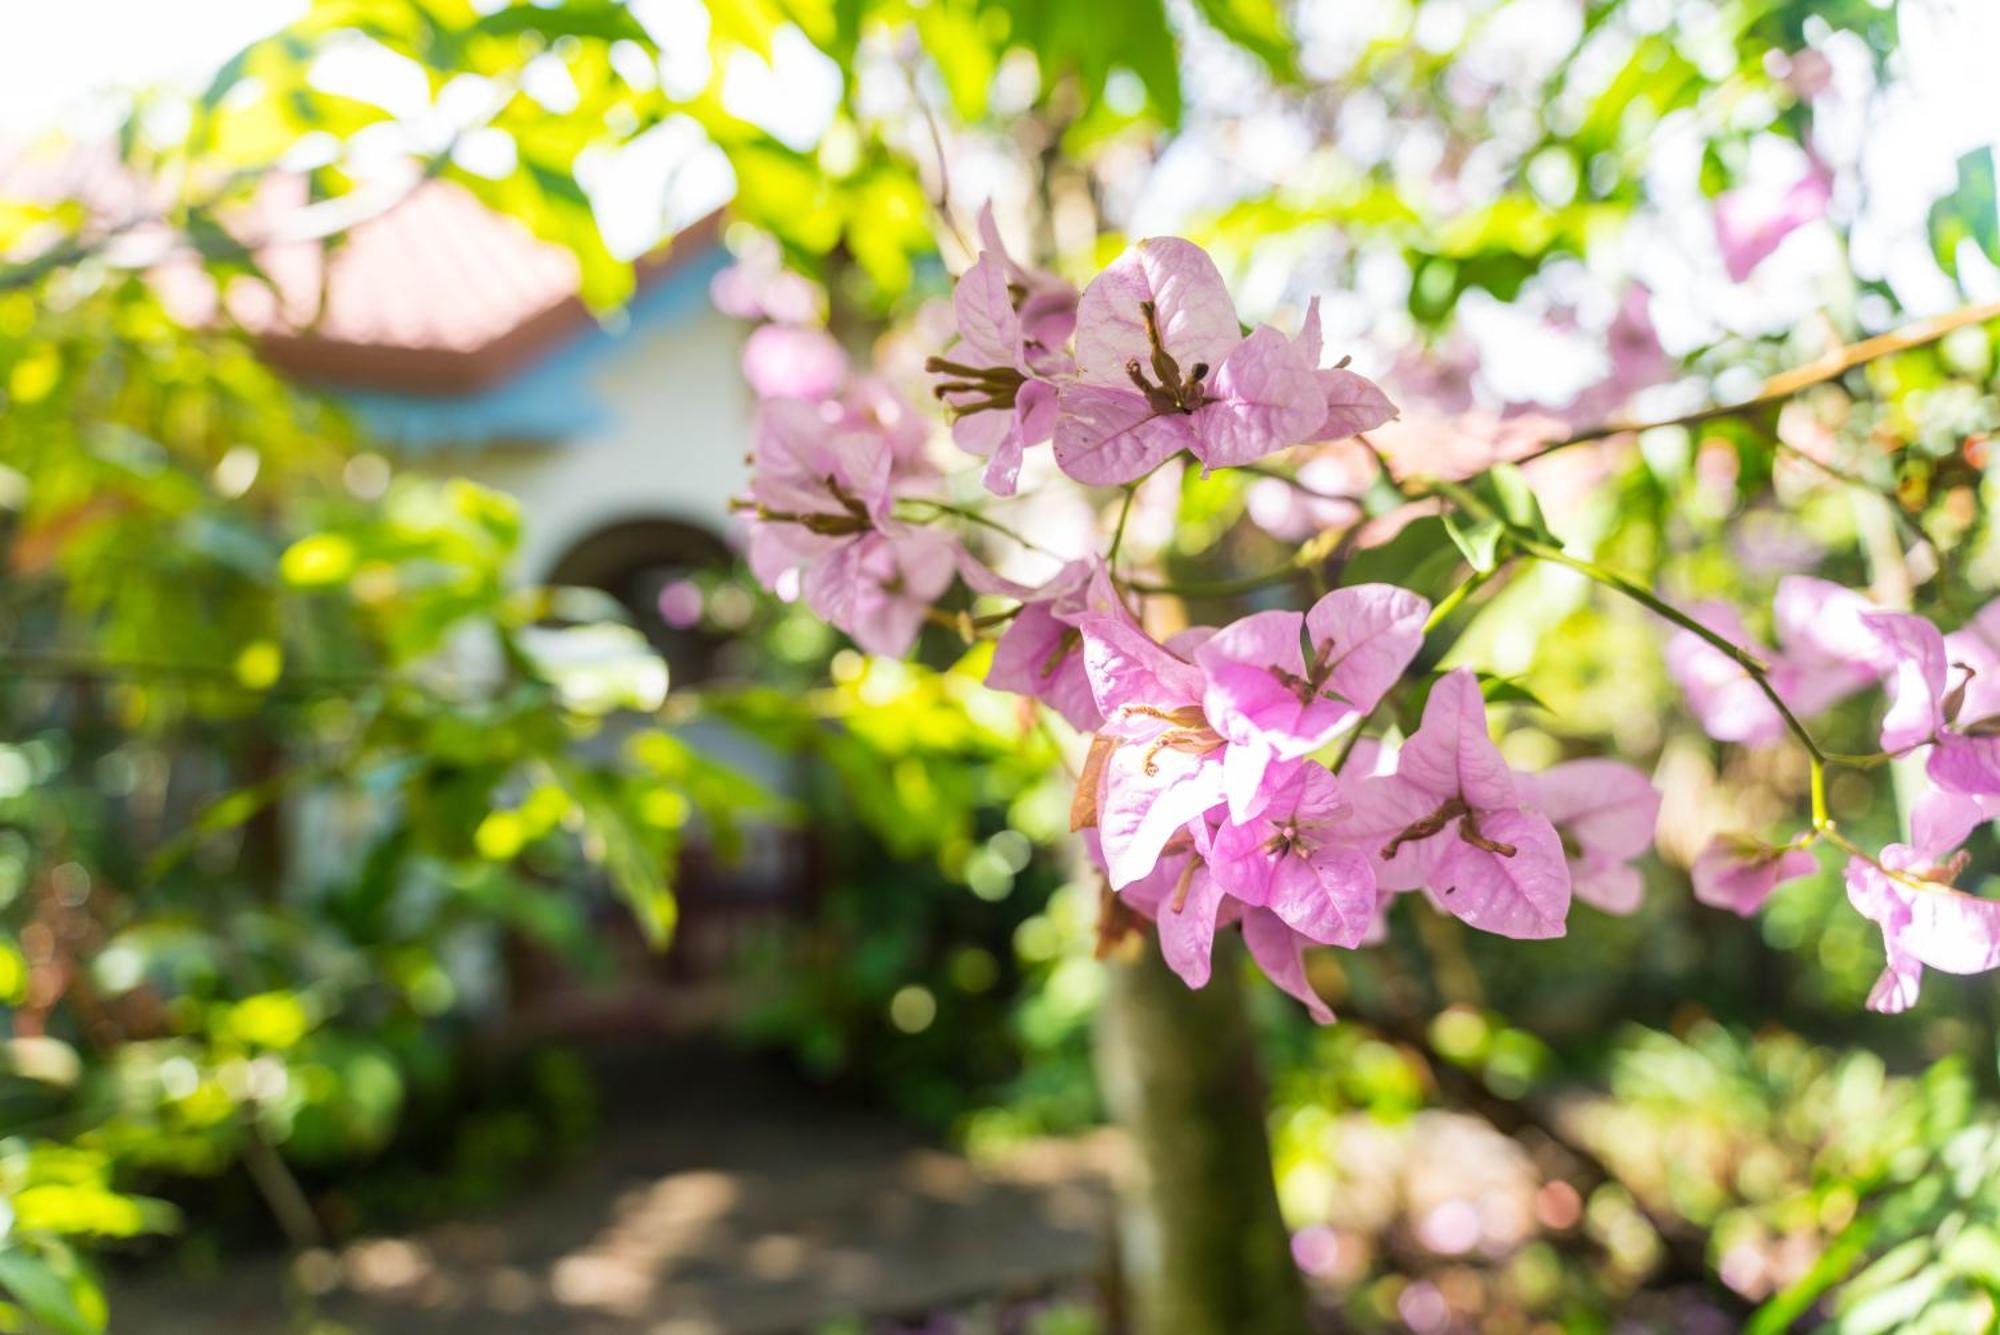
1924 921
870 403
1811 73
811 487
1724 698
752 290
1331 481
1940 818
880 586
1040 655
1925 706
1637 360
1461 446
793 362
1606 812
1751 221
820 524
1829 653
1976 646
680 604
1738 873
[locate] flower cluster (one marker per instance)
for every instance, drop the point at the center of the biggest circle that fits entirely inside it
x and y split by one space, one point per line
1231 779
1160 365
1203 797
1943 709
1209 808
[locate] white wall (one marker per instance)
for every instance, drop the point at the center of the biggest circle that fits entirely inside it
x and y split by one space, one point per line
673 448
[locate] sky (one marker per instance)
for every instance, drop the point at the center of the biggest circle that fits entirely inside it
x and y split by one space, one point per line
58 57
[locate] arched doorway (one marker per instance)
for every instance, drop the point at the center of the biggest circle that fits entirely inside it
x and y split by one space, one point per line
649 565
646 564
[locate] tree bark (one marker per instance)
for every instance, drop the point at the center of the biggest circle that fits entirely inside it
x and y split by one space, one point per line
1201 1245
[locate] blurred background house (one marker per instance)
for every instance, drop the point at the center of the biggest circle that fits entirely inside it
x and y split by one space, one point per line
462 343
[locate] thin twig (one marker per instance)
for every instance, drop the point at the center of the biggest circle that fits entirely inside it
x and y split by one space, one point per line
984 521
1836 362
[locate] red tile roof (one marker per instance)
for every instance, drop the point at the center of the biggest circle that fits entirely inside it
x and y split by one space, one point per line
435 294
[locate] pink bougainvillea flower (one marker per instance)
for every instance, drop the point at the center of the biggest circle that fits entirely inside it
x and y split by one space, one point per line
1637 360
1451 820
1830 651
1279 952
812 488
819 515
765 290
1605 812
1162 366
1045 303
1331 482
870 403
1739 873
1157 762
784 361
1290 859
1462 445
1354 403
1925 706
999 406
1040 655
1944 819
1975 649
1724 698
1281 684
1186 905
998 378
880 586
1751 222
1924 921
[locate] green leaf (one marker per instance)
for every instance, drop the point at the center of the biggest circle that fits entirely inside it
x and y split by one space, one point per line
1258 26
966 59
1833 1265
1507 691
1968 213
1975 1253
600 19
1517 499
48 1296
1479 542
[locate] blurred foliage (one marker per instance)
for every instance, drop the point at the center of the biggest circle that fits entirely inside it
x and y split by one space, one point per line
289 760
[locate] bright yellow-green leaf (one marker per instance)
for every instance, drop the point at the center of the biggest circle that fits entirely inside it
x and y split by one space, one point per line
269 1020
260 664
317 561
35 375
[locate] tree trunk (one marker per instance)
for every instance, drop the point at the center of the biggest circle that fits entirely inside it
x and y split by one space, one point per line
1202 1247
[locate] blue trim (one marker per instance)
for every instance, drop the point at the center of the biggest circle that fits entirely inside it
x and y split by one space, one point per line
553 399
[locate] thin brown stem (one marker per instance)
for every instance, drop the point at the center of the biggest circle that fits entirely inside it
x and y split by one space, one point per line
1836 362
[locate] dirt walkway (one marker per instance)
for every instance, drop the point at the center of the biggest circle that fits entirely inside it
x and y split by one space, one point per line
738 1207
